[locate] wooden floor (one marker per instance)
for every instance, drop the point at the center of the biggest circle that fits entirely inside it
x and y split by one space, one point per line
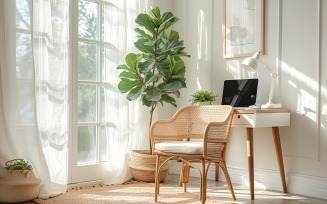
219 191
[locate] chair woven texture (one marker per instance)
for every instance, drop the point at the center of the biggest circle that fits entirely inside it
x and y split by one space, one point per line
211 124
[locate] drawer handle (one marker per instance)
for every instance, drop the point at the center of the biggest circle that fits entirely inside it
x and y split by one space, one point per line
238 116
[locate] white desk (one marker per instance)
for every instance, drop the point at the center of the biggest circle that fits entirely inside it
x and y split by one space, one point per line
262 118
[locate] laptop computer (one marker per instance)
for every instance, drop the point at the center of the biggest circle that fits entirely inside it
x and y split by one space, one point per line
240 93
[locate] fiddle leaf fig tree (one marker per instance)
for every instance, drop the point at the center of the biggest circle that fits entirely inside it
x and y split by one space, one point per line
157 73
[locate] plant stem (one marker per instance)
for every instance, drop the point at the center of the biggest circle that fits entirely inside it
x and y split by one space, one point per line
150 123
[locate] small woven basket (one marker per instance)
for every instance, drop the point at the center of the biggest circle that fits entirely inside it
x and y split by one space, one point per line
19 186
143 166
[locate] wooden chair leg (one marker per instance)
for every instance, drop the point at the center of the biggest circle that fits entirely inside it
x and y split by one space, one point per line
203 189
156 179
217 172
185 176
180 183
228 181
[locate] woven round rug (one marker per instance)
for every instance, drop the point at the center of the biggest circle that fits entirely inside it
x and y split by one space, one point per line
134 192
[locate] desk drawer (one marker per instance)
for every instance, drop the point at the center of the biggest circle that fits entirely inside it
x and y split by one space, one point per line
243 120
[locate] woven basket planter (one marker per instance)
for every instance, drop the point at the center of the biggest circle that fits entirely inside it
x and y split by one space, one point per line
143 166
19 186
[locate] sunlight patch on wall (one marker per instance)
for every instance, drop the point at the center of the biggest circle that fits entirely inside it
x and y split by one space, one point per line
201 31
307 89
307 105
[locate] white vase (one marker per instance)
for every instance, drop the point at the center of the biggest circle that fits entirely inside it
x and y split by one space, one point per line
19 186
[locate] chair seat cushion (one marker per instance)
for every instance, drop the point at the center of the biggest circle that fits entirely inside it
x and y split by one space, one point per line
181 147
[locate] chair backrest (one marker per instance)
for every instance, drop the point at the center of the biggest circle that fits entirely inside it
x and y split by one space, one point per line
190 121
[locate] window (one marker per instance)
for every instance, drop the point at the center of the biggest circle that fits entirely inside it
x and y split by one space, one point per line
91 137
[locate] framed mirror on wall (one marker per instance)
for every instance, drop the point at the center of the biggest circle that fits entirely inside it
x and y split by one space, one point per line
243 28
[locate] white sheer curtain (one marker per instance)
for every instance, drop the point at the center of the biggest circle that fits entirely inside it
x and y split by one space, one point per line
128 121
34 87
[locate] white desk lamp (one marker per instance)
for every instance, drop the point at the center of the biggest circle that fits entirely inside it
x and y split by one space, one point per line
250 64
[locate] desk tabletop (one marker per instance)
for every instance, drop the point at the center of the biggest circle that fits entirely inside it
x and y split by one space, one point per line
261 110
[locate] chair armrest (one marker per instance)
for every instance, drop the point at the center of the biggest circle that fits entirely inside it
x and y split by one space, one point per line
215 139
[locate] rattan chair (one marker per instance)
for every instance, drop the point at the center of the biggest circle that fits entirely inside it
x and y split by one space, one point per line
193 134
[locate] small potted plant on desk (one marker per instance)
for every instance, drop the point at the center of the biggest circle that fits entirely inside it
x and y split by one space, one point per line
19 183
203 97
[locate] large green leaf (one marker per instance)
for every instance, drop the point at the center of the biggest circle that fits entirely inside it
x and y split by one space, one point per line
128 75
135 93
153 78
125 67
172 35
168 19
145 21
174 44
179 64
146 66
132 59
143 34
141 45
164 69
126 85
153 94
172 87
179 74
155 12
148 103
168 99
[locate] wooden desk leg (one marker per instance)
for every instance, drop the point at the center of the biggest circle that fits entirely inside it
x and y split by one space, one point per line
249 134
278 148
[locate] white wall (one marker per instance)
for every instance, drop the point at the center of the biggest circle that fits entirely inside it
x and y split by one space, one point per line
295 48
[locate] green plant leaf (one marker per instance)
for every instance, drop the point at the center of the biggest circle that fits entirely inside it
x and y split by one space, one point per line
163 68
168 99
145 21
126 85
179 65
155 12
168 19
135 93
143 34
177 94
125 67
172 87
132 59
128 75
148 103
141 45
174 44
153 78
153 94
146 66
172 35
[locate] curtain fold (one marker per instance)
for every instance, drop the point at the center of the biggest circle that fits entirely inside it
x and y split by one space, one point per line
128 120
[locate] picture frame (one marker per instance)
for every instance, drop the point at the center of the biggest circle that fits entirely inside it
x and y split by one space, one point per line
243 28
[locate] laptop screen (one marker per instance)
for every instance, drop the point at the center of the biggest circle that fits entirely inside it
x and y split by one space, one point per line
240 93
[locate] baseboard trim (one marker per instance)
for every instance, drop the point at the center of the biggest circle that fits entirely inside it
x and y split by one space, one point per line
312 186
